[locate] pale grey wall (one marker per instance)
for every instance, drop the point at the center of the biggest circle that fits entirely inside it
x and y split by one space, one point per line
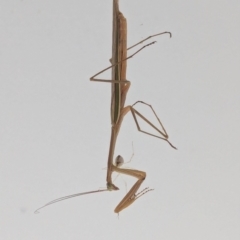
55 124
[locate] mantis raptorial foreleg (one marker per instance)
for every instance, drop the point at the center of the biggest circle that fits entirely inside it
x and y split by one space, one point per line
131 196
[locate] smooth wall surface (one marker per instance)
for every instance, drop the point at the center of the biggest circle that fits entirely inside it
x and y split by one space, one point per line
55 123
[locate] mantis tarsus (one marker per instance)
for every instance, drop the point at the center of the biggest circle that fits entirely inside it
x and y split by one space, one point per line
120 87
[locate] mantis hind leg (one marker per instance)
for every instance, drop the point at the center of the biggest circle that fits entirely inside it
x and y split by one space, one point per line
163 133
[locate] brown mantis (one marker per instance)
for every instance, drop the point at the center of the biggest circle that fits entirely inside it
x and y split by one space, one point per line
120 87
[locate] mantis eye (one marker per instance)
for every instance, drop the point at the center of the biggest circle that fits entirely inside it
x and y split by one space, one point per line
119 161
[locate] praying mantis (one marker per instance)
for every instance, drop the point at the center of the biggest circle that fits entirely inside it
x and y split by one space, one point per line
120 87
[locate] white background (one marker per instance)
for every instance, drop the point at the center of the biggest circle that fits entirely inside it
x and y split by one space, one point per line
55 123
